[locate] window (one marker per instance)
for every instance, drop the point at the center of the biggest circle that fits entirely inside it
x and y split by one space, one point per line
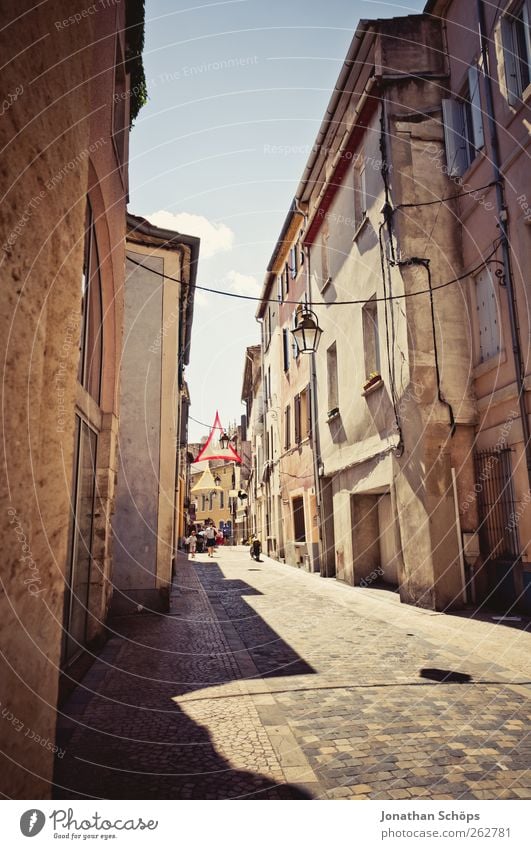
302 415
297 417
91 343
325 264
286 279
293 263
516 43
305 426
285 347
463 126
331 370
487 313
371 339
287 427
299 527
360 195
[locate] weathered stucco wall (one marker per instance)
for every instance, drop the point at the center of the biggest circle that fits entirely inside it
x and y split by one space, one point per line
45 131
135 522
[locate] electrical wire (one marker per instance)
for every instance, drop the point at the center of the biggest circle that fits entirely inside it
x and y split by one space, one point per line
315 304
443 200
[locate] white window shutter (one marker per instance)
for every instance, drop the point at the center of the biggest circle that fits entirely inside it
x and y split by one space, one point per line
456 158
487 312
509 60
475 107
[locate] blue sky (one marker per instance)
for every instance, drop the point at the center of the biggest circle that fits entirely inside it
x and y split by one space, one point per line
227 82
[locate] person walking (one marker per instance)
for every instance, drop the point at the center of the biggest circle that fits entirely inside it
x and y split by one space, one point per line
256 548
192 544
211 534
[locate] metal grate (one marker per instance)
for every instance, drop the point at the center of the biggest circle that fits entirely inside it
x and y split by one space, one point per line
494 486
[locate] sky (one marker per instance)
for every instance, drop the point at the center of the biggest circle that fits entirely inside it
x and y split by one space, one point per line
237 92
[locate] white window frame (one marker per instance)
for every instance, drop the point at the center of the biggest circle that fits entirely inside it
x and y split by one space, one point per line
371 337
463 125
515 85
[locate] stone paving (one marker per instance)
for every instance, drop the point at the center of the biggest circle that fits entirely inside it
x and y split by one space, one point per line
266 682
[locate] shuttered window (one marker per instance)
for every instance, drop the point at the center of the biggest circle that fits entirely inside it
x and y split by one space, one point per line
285 347
297 417
463 125
299 525
516 49
488 317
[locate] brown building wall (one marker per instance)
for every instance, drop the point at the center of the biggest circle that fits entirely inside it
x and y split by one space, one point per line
57 148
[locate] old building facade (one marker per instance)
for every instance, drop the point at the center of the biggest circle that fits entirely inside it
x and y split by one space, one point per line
486 122
392 240
289 472
159 299
395 410
65 184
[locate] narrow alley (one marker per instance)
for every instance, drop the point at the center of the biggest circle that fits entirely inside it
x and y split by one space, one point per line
265 681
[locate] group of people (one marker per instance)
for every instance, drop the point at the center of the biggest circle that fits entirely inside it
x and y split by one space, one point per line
211 538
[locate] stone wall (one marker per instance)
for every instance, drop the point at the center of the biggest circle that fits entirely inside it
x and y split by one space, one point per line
44 176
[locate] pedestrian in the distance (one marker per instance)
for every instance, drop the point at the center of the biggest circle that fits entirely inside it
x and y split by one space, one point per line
211 534
192 543
256 548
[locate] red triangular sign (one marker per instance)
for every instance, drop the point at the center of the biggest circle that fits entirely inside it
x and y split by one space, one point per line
220 453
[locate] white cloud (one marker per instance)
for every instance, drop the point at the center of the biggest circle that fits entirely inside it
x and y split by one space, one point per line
215 238
241 284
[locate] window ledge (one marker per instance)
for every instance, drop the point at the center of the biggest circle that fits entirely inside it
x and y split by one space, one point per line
360 227
372 388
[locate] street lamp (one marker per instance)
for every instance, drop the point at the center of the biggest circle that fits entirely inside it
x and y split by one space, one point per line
307 332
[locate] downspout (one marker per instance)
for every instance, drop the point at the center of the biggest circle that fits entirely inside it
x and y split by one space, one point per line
264 427
504 244
313 400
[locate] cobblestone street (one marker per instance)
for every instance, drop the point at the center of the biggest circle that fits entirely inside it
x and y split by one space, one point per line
267 682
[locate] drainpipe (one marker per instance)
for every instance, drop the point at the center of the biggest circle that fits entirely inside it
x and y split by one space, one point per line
502 224
260 321
313 400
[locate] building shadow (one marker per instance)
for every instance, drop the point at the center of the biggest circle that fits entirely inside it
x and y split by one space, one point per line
133 729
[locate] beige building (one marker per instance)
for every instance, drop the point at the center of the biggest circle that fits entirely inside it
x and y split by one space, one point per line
254 414
64 184
487 141
216 504
159 297
420 426
288 477
395 412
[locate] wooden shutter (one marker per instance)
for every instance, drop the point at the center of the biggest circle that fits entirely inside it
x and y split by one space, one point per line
297 410
475 107
308 410
285 346
509 60
454 137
